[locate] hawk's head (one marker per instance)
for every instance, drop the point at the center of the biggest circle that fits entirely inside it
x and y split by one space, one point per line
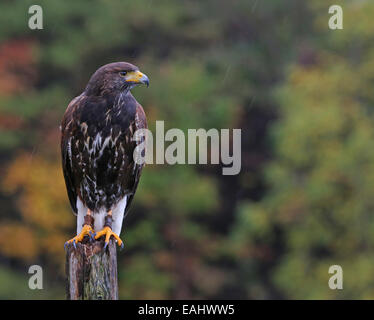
114 78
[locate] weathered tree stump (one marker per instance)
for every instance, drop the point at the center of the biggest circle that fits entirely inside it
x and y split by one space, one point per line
91 271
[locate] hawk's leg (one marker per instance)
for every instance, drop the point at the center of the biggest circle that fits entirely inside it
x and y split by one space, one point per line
107 231
87 230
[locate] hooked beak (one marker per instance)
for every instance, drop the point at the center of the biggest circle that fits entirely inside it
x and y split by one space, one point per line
137 77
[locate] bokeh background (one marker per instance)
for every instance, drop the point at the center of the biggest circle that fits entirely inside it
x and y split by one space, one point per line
302 95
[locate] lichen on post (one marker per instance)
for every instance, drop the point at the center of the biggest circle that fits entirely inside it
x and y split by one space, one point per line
91 271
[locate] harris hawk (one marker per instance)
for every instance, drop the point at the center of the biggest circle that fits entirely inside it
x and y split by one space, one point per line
97 149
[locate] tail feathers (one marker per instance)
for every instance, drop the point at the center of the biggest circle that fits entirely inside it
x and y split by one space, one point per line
118 212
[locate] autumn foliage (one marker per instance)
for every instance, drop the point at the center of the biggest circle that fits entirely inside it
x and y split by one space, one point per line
302 95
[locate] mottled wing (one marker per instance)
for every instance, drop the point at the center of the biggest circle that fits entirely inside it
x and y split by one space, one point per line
66 151
139 123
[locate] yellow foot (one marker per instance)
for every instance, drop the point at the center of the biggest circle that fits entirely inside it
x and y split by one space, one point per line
86 230
107 232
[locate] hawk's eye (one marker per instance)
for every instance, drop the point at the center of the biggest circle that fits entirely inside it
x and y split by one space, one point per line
122 73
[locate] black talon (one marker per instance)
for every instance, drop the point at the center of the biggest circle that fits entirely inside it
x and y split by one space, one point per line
105 245
75 244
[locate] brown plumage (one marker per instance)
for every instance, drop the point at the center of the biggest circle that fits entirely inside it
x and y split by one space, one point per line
97 146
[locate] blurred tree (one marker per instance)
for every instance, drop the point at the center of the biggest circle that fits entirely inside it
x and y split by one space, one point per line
317 210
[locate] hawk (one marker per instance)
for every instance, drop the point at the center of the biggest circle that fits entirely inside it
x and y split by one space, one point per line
97 147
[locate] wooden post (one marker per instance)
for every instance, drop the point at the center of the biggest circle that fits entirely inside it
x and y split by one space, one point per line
91 271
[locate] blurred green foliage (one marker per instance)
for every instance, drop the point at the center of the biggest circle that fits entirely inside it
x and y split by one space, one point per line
300 92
